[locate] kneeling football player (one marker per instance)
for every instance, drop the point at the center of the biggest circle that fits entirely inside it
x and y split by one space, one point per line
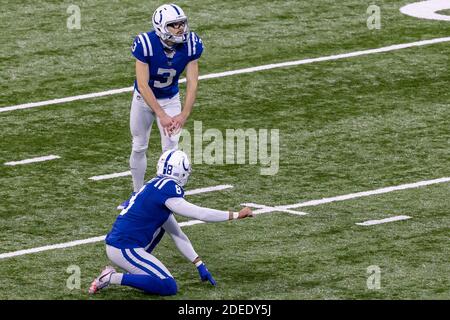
141 225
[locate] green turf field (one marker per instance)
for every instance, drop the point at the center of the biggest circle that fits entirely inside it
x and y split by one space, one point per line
346 126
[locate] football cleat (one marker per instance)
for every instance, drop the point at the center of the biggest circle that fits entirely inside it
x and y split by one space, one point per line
125 204
102 281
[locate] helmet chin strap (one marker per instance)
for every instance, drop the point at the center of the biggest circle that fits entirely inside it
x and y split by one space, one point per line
166 46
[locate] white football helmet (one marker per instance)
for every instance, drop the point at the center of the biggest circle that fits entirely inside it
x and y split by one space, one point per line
167 14
174 164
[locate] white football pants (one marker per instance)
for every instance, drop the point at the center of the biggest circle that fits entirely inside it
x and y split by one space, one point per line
137 261
141 121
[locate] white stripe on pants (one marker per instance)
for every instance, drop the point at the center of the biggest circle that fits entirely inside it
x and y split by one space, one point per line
121 258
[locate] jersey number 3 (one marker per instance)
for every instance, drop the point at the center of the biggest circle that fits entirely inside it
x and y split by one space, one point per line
166 73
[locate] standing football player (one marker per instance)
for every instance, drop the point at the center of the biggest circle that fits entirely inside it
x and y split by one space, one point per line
139 228
161 57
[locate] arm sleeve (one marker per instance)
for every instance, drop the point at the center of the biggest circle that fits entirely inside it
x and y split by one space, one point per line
182 242
186 209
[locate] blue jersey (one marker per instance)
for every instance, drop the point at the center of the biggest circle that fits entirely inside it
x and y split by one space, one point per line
146 213
164 71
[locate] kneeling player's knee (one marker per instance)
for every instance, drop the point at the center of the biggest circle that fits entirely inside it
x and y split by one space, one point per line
170 287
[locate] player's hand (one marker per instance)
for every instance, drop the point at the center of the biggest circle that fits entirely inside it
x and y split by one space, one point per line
166 122
245 213
205 274
178 123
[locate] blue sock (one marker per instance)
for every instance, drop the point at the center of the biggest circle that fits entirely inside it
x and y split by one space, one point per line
150 284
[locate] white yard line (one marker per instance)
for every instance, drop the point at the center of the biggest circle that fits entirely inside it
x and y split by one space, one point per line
101 238
190 223
427 9
32 160
74 243
208 189
111 176
67 99
264 209
268 209
391 219
234 72
260 206
367 193
51 247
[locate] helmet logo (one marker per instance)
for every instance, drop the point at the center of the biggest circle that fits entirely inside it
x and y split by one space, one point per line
160 17
185 169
